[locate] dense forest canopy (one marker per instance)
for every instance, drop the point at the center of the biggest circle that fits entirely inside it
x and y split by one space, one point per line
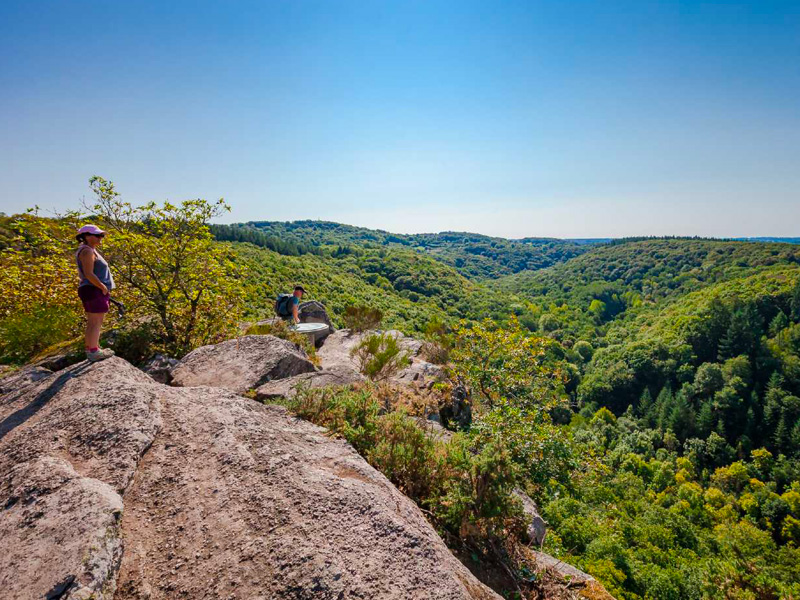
473 255
678 420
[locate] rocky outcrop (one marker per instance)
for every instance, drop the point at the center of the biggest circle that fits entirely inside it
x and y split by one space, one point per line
315 312
336 353
241 364
70 443
286 388
115 486
537 528
160 368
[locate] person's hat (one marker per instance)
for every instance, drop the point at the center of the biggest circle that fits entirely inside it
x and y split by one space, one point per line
93 229
300 287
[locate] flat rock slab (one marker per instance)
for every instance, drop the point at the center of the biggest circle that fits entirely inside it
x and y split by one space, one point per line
287 388
241 364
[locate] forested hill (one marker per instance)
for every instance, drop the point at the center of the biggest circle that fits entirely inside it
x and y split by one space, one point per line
473 255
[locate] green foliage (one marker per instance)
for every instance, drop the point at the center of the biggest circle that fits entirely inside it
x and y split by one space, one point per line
379 356
26 334
168 260
39 304
506 362
476 488
439 342
362 318
405 454
251 235
474 256
135 341
465 486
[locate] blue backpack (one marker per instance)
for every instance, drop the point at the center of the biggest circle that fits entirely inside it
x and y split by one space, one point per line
283 305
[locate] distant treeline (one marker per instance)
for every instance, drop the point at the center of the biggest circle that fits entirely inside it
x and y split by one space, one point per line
251 235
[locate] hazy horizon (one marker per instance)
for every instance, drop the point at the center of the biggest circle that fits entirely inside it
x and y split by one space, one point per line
520 119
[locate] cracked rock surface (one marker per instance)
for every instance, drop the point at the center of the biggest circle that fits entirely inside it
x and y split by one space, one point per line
113 486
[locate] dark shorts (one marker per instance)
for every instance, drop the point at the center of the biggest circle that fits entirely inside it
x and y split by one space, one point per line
94 300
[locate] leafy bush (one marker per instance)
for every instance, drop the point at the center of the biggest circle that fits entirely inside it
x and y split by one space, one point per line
136 342
507 362
405 454
439 342
467 488
475 488
26 334
362 318
173 270
39 306
351 413
379 356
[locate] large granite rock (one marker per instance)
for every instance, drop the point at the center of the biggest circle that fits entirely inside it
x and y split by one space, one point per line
335 352
117 487
70 443
287 388
315 312
241 364
537 528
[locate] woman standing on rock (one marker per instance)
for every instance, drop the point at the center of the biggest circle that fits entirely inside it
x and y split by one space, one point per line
94 289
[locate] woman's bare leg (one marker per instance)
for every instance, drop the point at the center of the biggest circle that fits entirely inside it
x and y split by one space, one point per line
94 323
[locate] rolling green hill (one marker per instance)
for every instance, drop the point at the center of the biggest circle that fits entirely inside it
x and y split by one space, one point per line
473 255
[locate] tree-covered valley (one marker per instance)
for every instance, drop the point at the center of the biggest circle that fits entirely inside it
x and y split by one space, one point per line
645 392
682 363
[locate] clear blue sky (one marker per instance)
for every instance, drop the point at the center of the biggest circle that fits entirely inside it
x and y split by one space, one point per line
564 118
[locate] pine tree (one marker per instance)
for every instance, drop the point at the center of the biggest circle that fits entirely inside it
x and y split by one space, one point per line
778 324
681 417
743 333
795 438
645 407
705 419
781 435
663 406
796 302
773 400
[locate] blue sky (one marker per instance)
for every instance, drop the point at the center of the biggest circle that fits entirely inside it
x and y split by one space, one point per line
565 119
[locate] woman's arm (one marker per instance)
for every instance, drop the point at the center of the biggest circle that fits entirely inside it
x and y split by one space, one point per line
87 264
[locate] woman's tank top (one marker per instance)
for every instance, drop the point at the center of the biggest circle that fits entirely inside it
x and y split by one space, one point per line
101 270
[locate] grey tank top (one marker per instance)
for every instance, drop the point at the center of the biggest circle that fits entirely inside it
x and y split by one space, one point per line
101 270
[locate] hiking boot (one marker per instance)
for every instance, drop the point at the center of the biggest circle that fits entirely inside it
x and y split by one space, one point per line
100 354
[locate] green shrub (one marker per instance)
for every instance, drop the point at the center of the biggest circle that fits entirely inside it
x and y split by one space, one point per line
405 454
466 487
439 342
24 335
475 497
135 342
362 318
348 412
379 356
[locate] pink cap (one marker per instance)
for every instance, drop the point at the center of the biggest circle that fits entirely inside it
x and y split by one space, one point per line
93 229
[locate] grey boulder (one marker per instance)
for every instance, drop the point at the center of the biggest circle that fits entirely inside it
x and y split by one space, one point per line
537 528
241 364
315 312
287 388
